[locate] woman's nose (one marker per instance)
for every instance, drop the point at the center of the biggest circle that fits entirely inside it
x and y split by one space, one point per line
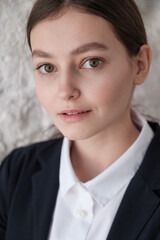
67 87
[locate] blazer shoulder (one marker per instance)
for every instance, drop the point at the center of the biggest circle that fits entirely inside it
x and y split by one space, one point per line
23 162
150 167
29 155
17 169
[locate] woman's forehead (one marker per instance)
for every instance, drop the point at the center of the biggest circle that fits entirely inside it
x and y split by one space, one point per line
73 28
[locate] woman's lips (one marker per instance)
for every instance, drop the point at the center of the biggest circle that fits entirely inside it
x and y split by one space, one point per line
74 115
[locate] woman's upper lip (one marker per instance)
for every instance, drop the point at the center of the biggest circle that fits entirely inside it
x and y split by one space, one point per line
74 111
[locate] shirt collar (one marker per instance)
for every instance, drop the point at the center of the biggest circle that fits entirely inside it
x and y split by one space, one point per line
67 174
107 184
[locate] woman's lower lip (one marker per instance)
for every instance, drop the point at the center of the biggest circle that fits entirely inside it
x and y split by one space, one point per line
74 117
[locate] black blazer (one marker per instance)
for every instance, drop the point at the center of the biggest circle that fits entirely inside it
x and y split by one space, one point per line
29 181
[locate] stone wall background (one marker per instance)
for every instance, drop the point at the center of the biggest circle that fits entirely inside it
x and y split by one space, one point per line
22 119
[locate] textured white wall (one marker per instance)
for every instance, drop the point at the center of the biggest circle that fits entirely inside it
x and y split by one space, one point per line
22 119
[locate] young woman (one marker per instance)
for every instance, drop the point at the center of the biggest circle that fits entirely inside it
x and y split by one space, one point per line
102 180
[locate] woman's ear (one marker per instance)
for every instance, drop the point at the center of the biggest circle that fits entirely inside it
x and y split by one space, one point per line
143 61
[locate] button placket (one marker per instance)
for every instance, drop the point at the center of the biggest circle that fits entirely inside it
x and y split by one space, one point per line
84 210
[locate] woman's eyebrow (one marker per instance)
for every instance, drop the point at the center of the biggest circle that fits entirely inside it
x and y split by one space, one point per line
89 46
42 54
83 48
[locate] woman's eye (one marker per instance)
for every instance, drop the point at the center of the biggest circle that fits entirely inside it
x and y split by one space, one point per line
92 63
47 68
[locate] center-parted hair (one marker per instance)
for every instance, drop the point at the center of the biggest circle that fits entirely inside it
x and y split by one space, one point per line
123 15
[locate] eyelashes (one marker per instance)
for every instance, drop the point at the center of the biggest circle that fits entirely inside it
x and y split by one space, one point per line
90 64
46 68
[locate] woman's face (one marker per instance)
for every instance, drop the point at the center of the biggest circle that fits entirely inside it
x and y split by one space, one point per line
84 75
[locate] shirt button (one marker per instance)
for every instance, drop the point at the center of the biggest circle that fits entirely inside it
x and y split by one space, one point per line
81 213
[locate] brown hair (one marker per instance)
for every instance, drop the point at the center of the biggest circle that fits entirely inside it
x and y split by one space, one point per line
123 15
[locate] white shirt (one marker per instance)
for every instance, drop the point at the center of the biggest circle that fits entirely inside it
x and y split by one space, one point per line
85 211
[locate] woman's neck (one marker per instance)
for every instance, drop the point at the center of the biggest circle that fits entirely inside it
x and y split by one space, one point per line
92 156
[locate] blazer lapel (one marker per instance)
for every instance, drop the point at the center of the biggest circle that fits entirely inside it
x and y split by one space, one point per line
141 198
45 187
136 208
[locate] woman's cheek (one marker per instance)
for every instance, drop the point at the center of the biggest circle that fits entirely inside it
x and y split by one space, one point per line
41 94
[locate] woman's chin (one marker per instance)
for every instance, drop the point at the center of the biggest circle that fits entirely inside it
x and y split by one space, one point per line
76 135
